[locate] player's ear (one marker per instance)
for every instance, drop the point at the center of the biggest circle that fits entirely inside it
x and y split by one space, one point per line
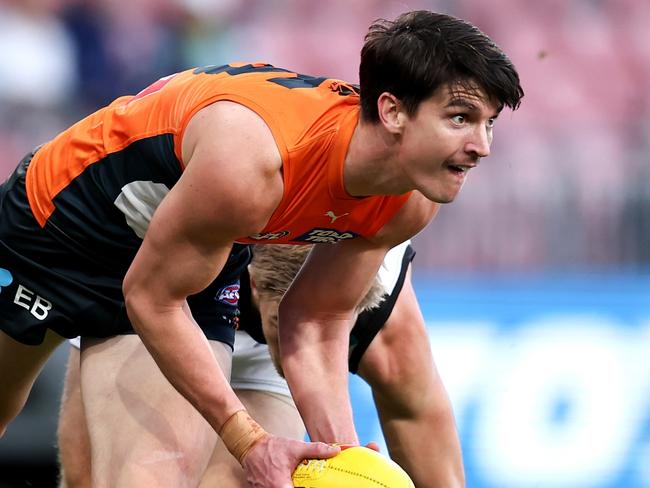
391 113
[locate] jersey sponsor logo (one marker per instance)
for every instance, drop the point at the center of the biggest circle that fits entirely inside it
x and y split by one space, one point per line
229 294
38 306
269 236
5 278
325 236
333 216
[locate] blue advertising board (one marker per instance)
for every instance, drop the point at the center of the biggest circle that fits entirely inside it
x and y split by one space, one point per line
549 377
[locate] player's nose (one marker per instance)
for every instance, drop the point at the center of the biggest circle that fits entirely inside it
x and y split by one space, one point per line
479 142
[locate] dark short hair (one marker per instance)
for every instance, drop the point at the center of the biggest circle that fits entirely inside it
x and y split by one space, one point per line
421 51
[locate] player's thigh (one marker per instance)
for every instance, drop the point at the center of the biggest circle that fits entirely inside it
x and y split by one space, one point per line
276 413
73 441
20 364
142 431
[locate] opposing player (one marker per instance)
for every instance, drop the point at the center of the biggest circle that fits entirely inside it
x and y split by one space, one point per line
145 195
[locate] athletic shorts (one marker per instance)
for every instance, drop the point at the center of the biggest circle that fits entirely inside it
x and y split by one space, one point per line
48 281
252 368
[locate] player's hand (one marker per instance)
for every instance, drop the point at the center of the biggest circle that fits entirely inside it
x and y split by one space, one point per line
273 460
374 446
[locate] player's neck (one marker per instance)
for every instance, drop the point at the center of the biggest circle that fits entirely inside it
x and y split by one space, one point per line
371 165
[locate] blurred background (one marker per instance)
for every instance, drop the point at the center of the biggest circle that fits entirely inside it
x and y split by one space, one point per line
535 282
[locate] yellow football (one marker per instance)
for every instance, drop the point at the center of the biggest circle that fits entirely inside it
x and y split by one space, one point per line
354 467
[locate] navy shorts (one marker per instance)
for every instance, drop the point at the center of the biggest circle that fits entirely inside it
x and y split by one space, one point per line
49 282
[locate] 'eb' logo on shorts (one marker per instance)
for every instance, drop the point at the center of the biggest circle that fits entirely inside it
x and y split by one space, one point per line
38 306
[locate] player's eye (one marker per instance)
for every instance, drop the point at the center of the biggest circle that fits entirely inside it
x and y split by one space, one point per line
490 122
459 119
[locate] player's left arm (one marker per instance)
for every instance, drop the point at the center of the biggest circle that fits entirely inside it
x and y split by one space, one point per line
316 316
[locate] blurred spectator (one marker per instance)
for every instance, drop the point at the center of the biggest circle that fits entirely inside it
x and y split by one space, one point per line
36 55
37 75
121 49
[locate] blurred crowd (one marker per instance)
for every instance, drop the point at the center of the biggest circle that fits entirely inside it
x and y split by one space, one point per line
568 182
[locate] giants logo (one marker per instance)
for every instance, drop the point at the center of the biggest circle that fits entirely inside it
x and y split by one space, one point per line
229 294
325 236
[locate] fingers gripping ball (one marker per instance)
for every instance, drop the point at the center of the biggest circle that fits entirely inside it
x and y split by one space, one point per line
354 467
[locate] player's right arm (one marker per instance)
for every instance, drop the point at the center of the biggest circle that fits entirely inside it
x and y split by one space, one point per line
230 187
316 315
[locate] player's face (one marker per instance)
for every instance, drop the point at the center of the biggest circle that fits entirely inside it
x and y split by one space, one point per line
447 136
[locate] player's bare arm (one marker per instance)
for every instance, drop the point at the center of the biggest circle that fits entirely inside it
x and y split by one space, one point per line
317 313
229 152
315 318
185 248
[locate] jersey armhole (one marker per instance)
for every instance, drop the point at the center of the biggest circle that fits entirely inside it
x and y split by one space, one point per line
268 119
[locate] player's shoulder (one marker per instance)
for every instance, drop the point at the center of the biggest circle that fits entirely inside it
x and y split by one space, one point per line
292 106
263 84
229 152
230 131
410 219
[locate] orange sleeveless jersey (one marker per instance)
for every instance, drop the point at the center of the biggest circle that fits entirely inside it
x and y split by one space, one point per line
312 121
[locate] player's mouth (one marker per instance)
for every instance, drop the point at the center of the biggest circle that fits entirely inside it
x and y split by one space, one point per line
459 169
